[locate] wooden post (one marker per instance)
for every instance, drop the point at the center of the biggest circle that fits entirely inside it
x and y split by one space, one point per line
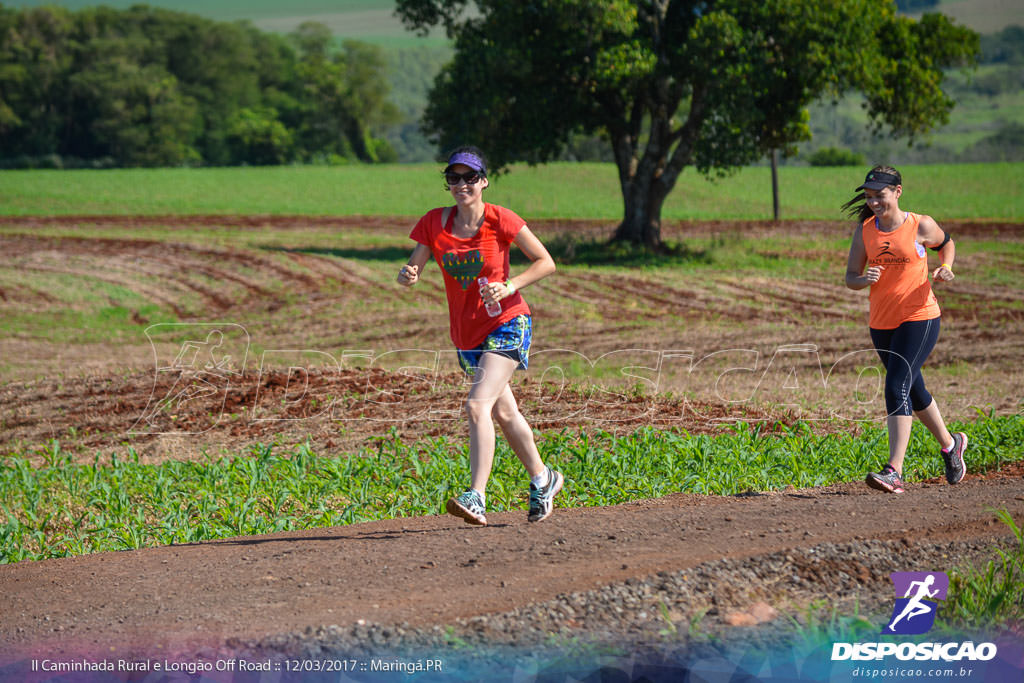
775 185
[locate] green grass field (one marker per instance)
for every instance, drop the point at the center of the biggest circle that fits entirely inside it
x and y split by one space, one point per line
559 190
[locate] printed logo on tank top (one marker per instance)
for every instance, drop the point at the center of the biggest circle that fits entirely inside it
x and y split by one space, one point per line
885 257
464 268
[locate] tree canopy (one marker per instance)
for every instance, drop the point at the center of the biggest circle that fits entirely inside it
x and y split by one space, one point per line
677 83
153 87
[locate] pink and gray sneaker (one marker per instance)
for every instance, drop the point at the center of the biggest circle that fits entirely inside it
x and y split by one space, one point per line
888 480
954 459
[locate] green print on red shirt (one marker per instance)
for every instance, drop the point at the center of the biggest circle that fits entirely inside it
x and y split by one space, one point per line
465 267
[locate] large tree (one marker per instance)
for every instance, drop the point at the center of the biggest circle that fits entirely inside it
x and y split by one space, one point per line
677 83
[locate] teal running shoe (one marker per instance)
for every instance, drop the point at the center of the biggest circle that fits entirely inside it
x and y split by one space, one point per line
469 507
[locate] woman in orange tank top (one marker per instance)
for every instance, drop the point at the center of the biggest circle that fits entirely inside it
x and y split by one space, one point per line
887 254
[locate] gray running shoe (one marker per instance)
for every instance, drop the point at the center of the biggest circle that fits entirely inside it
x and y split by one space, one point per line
954 459
887 480
469 507
542 499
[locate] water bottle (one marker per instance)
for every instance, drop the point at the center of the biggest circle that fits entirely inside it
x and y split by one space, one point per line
494 309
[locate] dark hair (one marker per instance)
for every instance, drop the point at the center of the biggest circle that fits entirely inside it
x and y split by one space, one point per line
858 206
465 149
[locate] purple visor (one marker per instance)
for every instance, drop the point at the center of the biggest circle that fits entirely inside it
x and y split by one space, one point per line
467 159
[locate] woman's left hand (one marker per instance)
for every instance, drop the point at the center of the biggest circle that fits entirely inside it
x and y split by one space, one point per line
943 273
494 292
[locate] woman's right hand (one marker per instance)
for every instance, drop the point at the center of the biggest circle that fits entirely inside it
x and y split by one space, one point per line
408 275
872 274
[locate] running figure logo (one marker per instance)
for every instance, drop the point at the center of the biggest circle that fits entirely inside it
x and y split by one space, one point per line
915 608
195 366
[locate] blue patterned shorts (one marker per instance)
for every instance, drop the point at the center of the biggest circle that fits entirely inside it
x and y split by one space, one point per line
511 339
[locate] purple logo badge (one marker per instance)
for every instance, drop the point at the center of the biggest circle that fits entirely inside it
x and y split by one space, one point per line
915 607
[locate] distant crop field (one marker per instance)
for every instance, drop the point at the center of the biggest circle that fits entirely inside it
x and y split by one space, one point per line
553 191
984 16
228 9
371 20
374 20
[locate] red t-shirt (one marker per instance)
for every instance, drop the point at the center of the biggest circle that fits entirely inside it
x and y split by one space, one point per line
462 261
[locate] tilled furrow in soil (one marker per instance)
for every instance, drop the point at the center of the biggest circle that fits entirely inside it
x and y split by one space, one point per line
337 410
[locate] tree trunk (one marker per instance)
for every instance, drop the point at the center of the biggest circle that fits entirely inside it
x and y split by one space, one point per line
644 186
643 197
357 138
647 180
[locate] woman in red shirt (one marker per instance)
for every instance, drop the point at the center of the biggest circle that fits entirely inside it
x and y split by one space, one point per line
489 320
904 315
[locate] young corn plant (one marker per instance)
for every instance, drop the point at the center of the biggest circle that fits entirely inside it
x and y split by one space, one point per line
64 508
989 599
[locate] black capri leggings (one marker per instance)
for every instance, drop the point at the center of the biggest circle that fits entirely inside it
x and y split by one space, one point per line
903 352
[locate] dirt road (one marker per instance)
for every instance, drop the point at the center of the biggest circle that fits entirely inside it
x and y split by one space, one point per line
436 570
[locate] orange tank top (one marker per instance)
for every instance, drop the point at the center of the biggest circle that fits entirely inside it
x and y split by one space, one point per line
903 292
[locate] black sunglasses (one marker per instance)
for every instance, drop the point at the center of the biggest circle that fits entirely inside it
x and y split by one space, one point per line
453 178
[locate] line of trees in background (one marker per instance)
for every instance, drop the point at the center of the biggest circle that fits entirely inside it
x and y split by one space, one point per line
155 87
151 87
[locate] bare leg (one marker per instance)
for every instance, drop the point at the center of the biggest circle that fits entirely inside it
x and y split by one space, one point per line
899 438
932 419
518 433
489 383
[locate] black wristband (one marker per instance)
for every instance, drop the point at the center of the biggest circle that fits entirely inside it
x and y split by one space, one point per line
942 244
